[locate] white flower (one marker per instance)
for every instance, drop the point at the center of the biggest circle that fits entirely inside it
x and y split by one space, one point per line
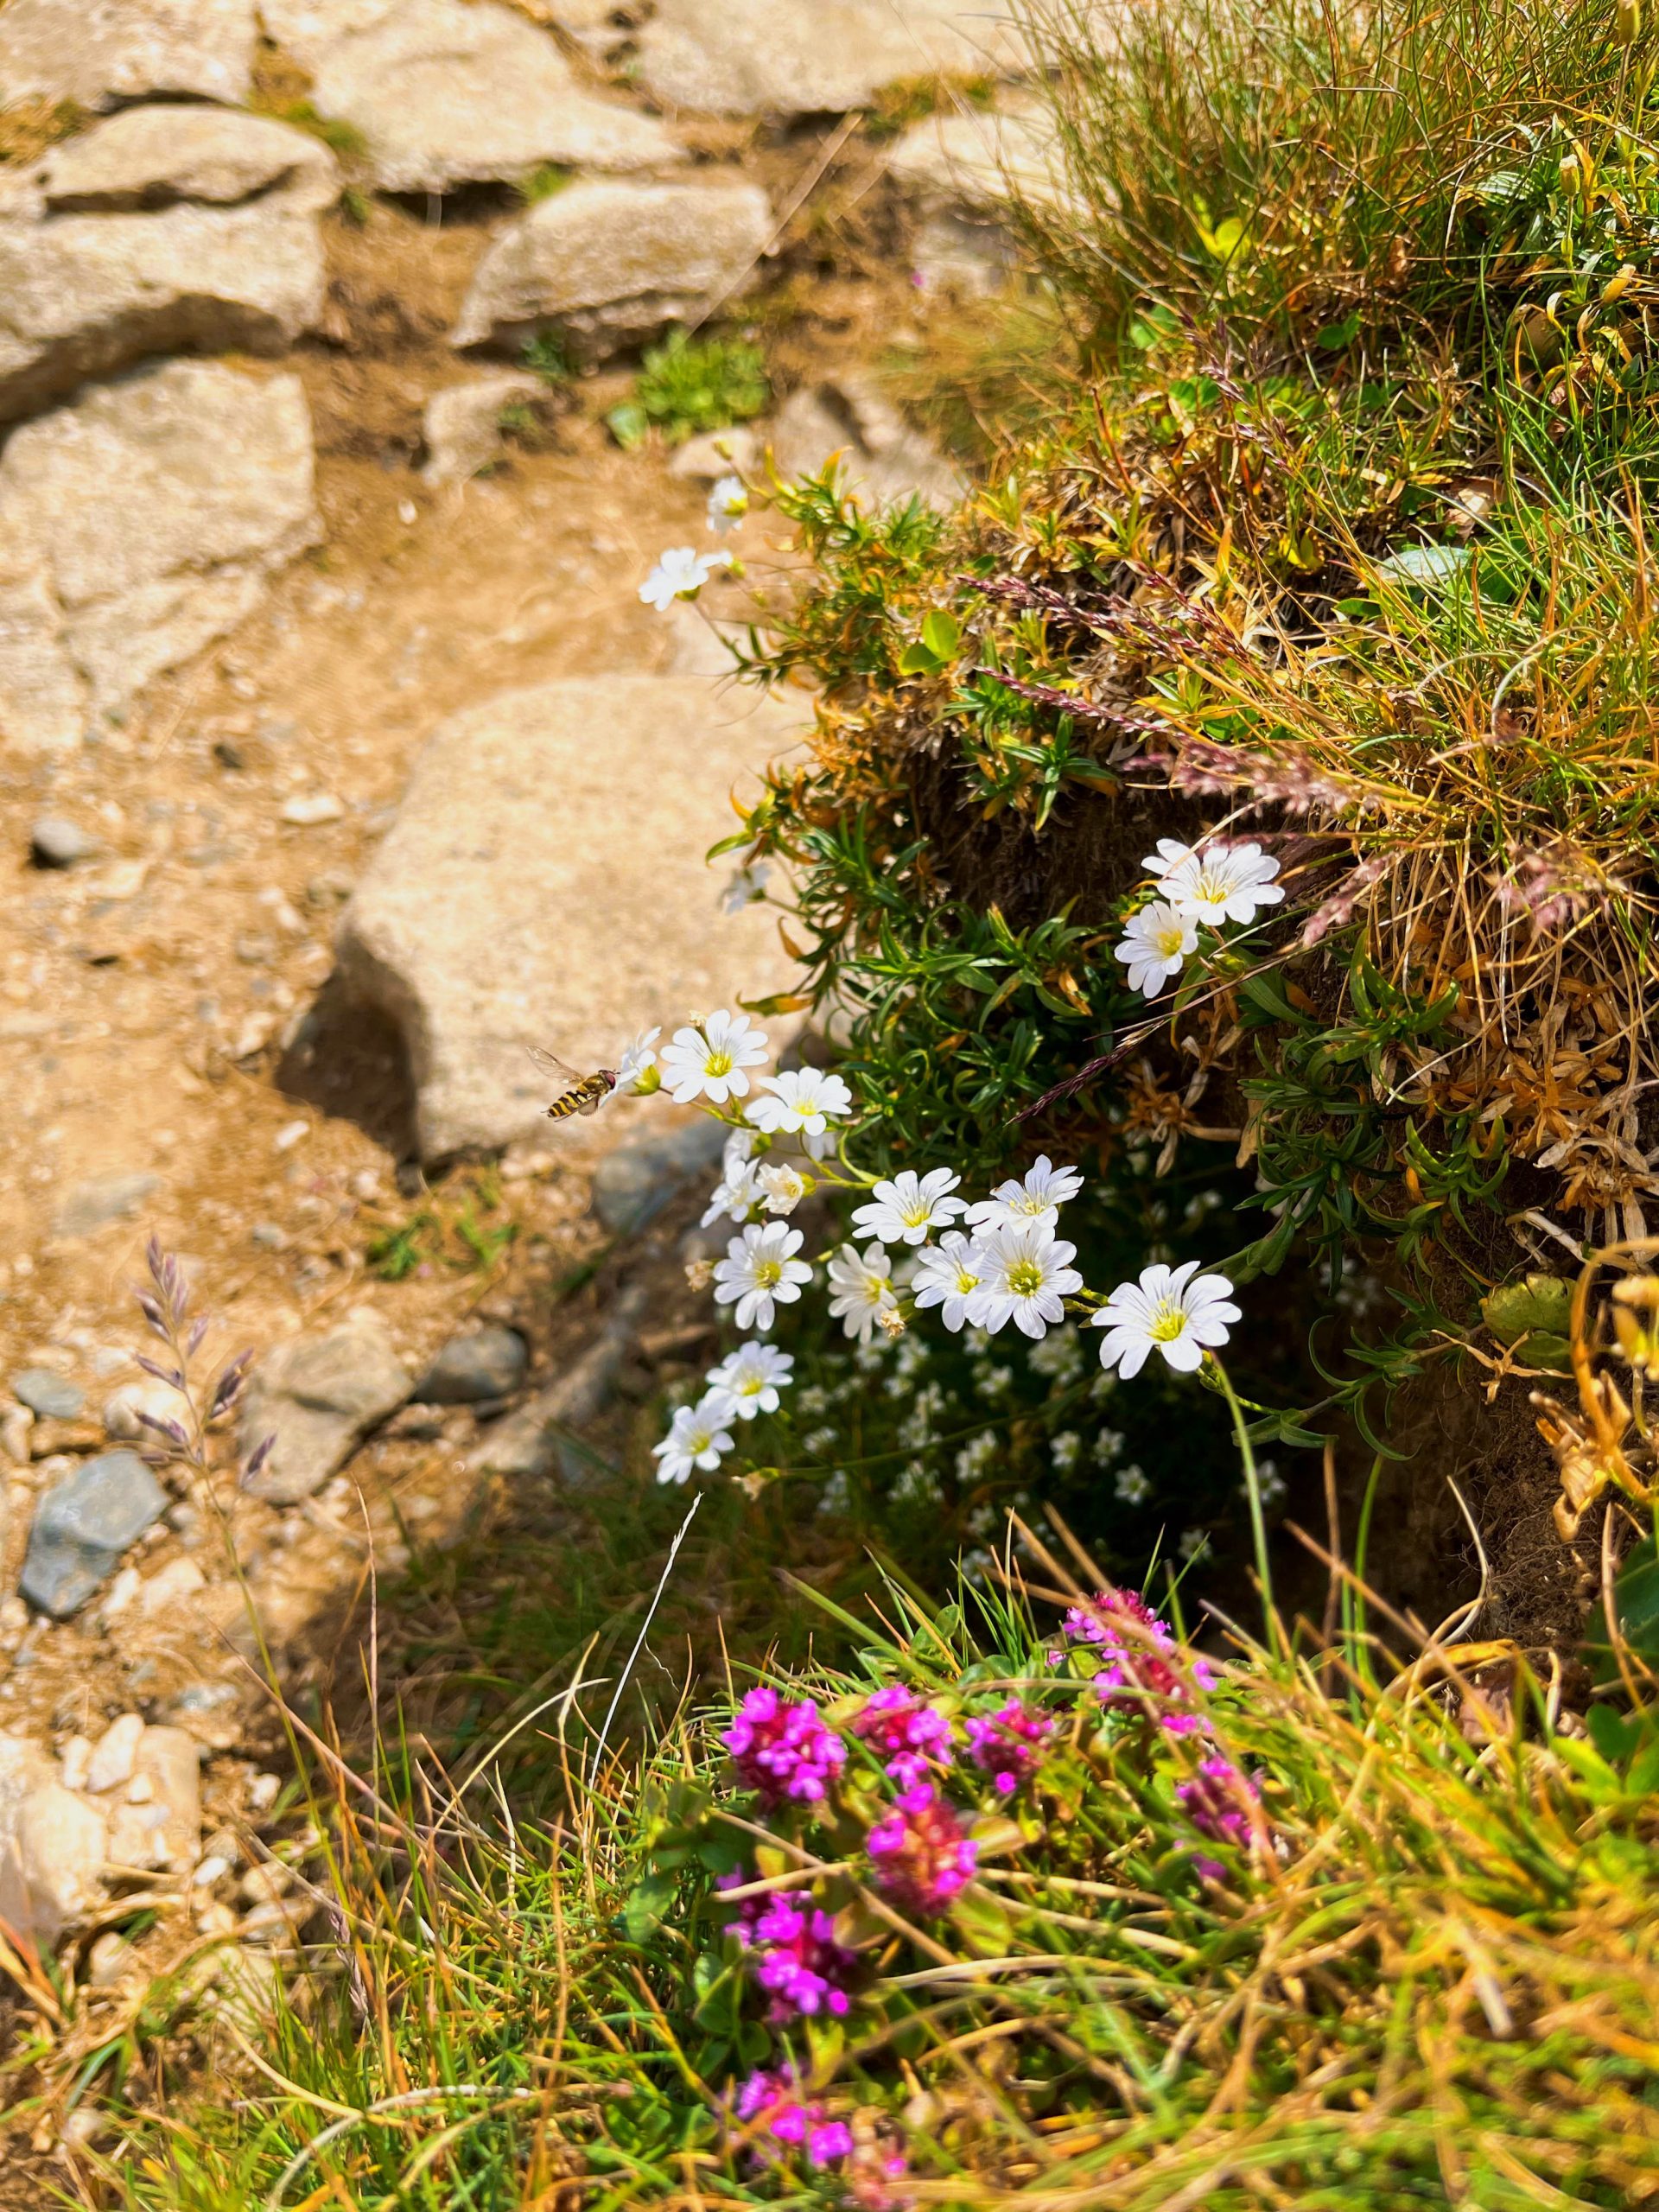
1134 1484
1215 883
905 1208
861 1287
736 1196
1194 1545
750 1379
747 885
977 1455
697 1437
1025 1277
1154 943
638 1061
728 502
1169 1308
759 1273
801 1102
784 1188
680 573
947 1275
1038 1198
708 1062
1065 1449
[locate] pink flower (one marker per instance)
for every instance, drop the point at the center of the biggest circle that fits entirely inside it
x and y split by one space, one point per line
1142 1657
921 1855
771 2103
798 1960
907 1734
1009 1744
782 1749
1222 1803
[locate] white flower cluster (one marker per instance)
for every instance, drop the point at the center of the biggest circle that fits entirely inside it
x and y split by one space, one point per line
1004 1264
1211 883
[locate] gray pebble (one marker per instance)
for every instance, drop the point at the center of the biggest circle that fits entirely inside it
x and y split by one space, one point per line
107 1197
634 1183
54 842
83 1525
52 1397
470 1370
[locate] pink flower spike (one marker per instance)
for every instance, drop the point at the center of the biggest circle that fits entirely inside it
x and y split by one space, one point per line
921 1855
782 1750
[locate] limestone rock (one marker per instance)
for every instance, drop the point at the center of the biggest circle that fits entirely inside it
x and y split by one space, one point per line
53 1397
634 1183
810 57
156 1820
882 458
165 229
115 1754
137 526
564 828
485 1364
319 1397
449 94
462 424
608 264
98 53
53 1848
82 1526
979 160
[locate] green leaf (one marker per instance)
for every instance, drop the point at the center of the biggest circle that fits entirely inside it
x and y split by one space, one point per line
628 425
1636 1608
942 634
1428 567
648 1901
918 660
1539 1302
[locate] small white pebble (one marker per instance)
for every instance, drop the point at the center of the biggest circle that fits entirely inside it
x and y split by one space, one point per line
263 1791
212 1869
312 808
407 511
290 1133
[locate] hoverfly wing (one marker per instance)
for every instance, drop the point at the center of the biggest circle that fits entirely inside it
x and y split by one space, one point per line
550 1065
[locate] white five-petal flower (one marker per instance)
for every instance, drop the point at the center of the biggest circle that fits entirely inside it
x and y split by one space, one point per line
861 1289
906 1208
1156 942
1180 1311
1218 882
947 1275
680 573
638 1062
1038 1197
697 1437
800 1101
728 502
1025 1275
782 1187
708 1062
759 1273
751 1377
746 887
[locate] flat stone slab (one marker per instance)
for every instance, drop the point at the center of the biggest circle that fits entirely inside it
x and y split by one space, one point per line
82 1526
880 459
544 884
163 231
448 93
485 1364
318 1396
981 159
462 424
53 1397
137 526
98 53
607 264
813 57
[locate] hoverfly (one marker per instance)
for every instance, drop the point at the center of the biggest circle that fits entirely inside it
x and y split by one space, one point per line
578 1093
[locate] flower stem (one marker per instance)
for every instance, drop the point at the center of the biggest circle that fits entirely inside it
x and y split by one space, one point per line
1252 1484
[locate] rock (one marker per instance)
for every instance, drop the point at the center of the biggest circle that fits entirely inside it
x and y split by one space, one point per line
634 1183
448 93
718 452
319 1397
123 1407
462 424
567 825
137 526
110 1958
488 1363
52 1396
172 1587
162 230
527 1444
607 263
16 1426
53 843
98 53
102 1200
82 1526
156 1821
52 1855
958 254
115 1754
882 458
813 57
980 159
311 808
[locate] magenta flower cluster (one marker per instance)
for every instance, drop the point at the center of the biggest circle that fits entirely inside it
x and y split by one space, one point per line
782 1750
1009 1744
1222 1803
1142 1657
798 1961
773 2103
909 1736
920 1851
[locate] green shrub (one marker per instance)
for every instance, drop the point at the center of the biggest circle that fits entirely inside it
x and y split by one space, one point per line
690 386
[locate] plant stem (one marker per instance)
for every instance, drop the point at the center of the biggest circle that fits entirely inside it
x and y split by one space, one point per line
1253 1488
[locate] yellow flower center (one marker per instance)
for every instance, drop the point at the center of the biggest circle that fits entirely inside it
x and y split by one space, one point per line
718 1063
1168 1323
1025 1278
965 1282
1167 943
768 1274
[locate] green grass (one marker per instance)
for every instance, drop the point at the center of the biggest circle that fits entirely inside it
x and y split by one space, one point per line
340 136
545 181
690 386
